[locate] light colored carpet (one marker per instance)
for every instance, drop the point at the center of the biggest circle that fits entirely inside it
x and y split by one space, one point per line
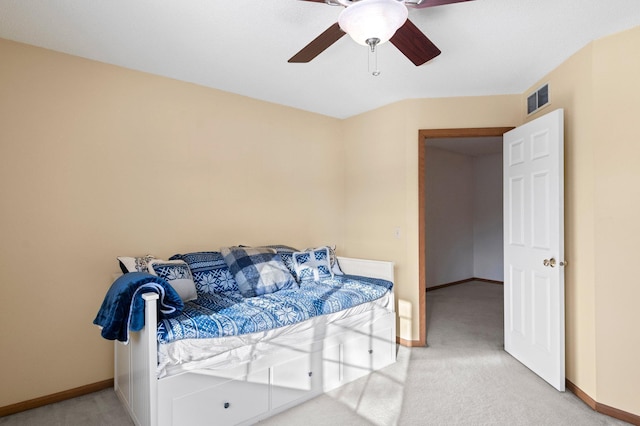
99 408
464 377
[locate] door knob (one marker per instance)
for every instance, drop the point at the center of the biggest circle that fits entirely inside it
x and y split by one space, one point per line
549 262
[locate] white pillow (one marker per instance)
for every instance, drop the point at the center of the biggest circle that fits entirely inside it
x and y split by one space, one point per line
313 265
176 273
333 259
135 264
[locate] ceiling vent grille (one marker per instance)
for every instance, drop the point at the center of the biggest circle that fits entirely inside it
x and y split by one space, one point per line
538 99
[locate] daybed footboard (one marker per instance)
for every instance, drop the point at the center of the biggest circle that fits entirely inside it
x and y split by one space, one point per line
267 385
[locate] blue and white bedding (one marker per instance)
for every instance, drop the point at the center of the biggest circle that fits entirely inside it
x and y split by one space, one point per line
230 314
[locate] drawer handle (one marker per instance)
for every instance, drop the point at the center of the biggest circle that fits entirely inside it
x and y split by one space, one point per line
310 373
226 405
370 351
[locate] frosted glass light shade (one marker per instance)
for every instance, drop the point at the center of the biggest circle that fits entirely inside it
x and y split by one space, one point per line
373 19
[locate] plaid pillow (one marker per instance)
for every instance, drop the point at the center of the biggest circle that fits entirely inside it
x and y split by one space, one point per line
257 270
313 265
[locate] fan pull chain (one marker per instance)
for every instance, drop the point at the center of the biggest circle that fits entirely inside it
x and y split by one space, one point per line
373 56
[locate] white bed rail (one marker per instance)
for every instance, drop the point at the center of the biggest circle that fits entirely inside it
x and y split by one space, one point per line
367 268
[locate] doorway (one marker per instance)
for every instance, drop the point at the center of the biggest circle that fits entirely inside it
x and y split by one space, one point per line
441 135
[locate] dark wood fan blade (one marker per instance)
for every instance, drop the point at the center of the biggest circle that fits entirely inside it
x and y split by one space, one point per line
430 3
319 44
414 44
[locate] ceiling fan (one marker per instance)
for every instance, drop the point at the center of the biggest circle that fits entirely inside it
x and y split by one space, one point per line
372 22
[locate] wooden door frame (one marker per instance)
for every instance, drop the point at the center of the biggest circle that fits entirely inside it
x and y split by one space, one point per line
422 226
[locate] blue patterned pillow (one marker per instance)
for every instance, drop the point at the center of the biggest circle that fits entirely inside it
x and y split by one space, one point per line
258 270
333 259
177 274
286 254
313 265
335 266
210 272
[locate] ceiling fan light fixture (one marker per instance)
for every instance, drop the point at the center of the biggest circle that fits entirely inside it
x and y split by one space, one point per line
373 19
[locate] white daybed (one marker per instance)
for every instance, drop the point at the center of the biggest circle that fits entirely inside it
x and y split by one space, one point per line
269 378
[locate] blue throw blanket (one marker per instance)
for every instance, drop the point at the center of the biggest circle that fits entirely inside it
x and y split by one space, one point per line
123 307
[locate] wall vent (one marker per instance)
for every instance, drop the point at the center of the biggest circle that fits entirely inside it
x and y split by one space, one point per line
538 99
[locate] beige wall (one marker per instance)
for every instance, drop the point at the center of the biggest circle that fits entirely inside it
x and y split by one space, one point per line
98 161
382 181
599 88
570 87
616 72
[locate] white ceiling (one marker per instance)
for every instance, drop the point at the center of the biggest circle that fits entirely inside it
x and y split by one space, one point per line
242 46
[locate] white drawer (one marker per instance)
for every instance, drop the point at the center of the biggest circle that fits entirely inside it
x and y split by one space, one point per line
229 403
292 380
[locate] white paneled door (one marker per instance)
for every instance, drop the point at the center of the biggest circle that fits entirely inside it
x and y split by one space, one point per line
534 246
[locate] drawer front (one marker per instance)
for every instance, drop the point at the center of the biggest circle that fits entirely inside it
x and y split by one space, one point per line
348 361
331 367
357 353
357 358
292 380
230 403
365 354
383 348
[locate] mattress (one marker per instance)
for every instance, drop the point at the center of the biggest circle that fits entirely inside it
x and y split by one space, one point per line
224 352
230 314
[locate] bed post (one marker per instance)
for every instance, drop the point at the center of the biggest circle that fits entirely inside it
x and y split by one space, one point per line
150 342
135 379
